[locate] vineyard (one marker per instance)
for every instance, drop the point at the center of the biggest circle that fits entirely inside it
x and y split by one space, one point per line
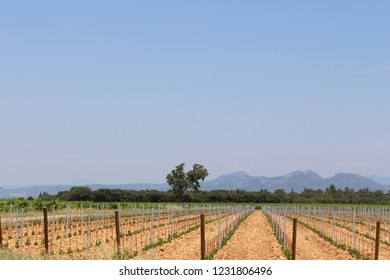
95 233
358 231
173 231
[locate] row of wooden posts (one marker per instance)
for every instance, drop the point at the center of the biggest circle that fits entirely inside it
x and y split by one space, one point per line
202 235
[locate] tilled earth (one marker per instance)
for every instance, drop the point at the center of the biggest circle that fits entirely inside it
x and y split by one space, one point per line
253 240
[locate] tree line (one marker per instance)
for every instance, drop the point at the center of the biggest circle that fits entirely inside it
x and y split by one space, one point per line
330 195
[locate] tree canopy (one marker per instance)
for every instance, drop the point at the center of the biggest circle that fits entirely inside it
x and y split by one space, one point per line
181 181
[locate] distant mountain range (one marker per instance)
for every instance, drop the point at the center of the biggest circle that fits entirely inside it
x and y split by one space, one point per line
297 181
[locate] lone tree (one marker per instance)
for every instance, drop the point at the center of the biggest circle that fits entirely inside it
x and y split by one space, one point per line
180 181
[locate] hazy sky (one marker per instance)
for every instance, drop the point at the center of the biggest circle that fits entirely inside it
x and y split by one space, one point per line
122 91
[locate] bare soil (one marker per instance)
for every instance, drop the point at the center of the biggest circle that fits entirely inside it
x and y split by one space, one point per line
253 240
310 246
185 247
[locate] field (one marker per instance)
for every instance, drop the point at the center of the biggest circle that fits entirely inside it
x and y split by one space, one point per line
90 233
172 231
348 229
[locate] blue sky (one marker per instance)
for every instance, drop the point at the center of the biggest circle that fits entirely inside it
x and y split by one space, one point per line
122 91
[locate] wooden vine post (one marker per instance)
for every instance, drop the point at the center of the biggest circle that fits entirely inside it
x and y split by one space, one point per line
45 224
118 235
294 239
377 237
202 238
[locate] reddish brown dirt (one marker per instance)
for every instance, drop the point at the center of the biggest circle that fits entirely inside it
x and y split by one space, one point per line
73 247
310 246
253 240
186 247
364 245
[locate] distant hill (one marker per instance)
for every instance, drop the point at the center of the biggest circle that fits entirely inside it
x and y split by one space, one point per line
33 191
238 180
297 181
380 179
54 189
354 181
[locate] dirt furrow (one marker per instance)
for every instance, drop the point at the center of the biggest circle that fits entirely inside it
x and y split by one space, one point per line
253 240
185 247
310 246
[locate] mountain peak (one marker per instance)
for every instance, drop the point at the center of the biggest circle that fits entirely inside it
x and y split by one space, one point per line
302 173
307 171
239 174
